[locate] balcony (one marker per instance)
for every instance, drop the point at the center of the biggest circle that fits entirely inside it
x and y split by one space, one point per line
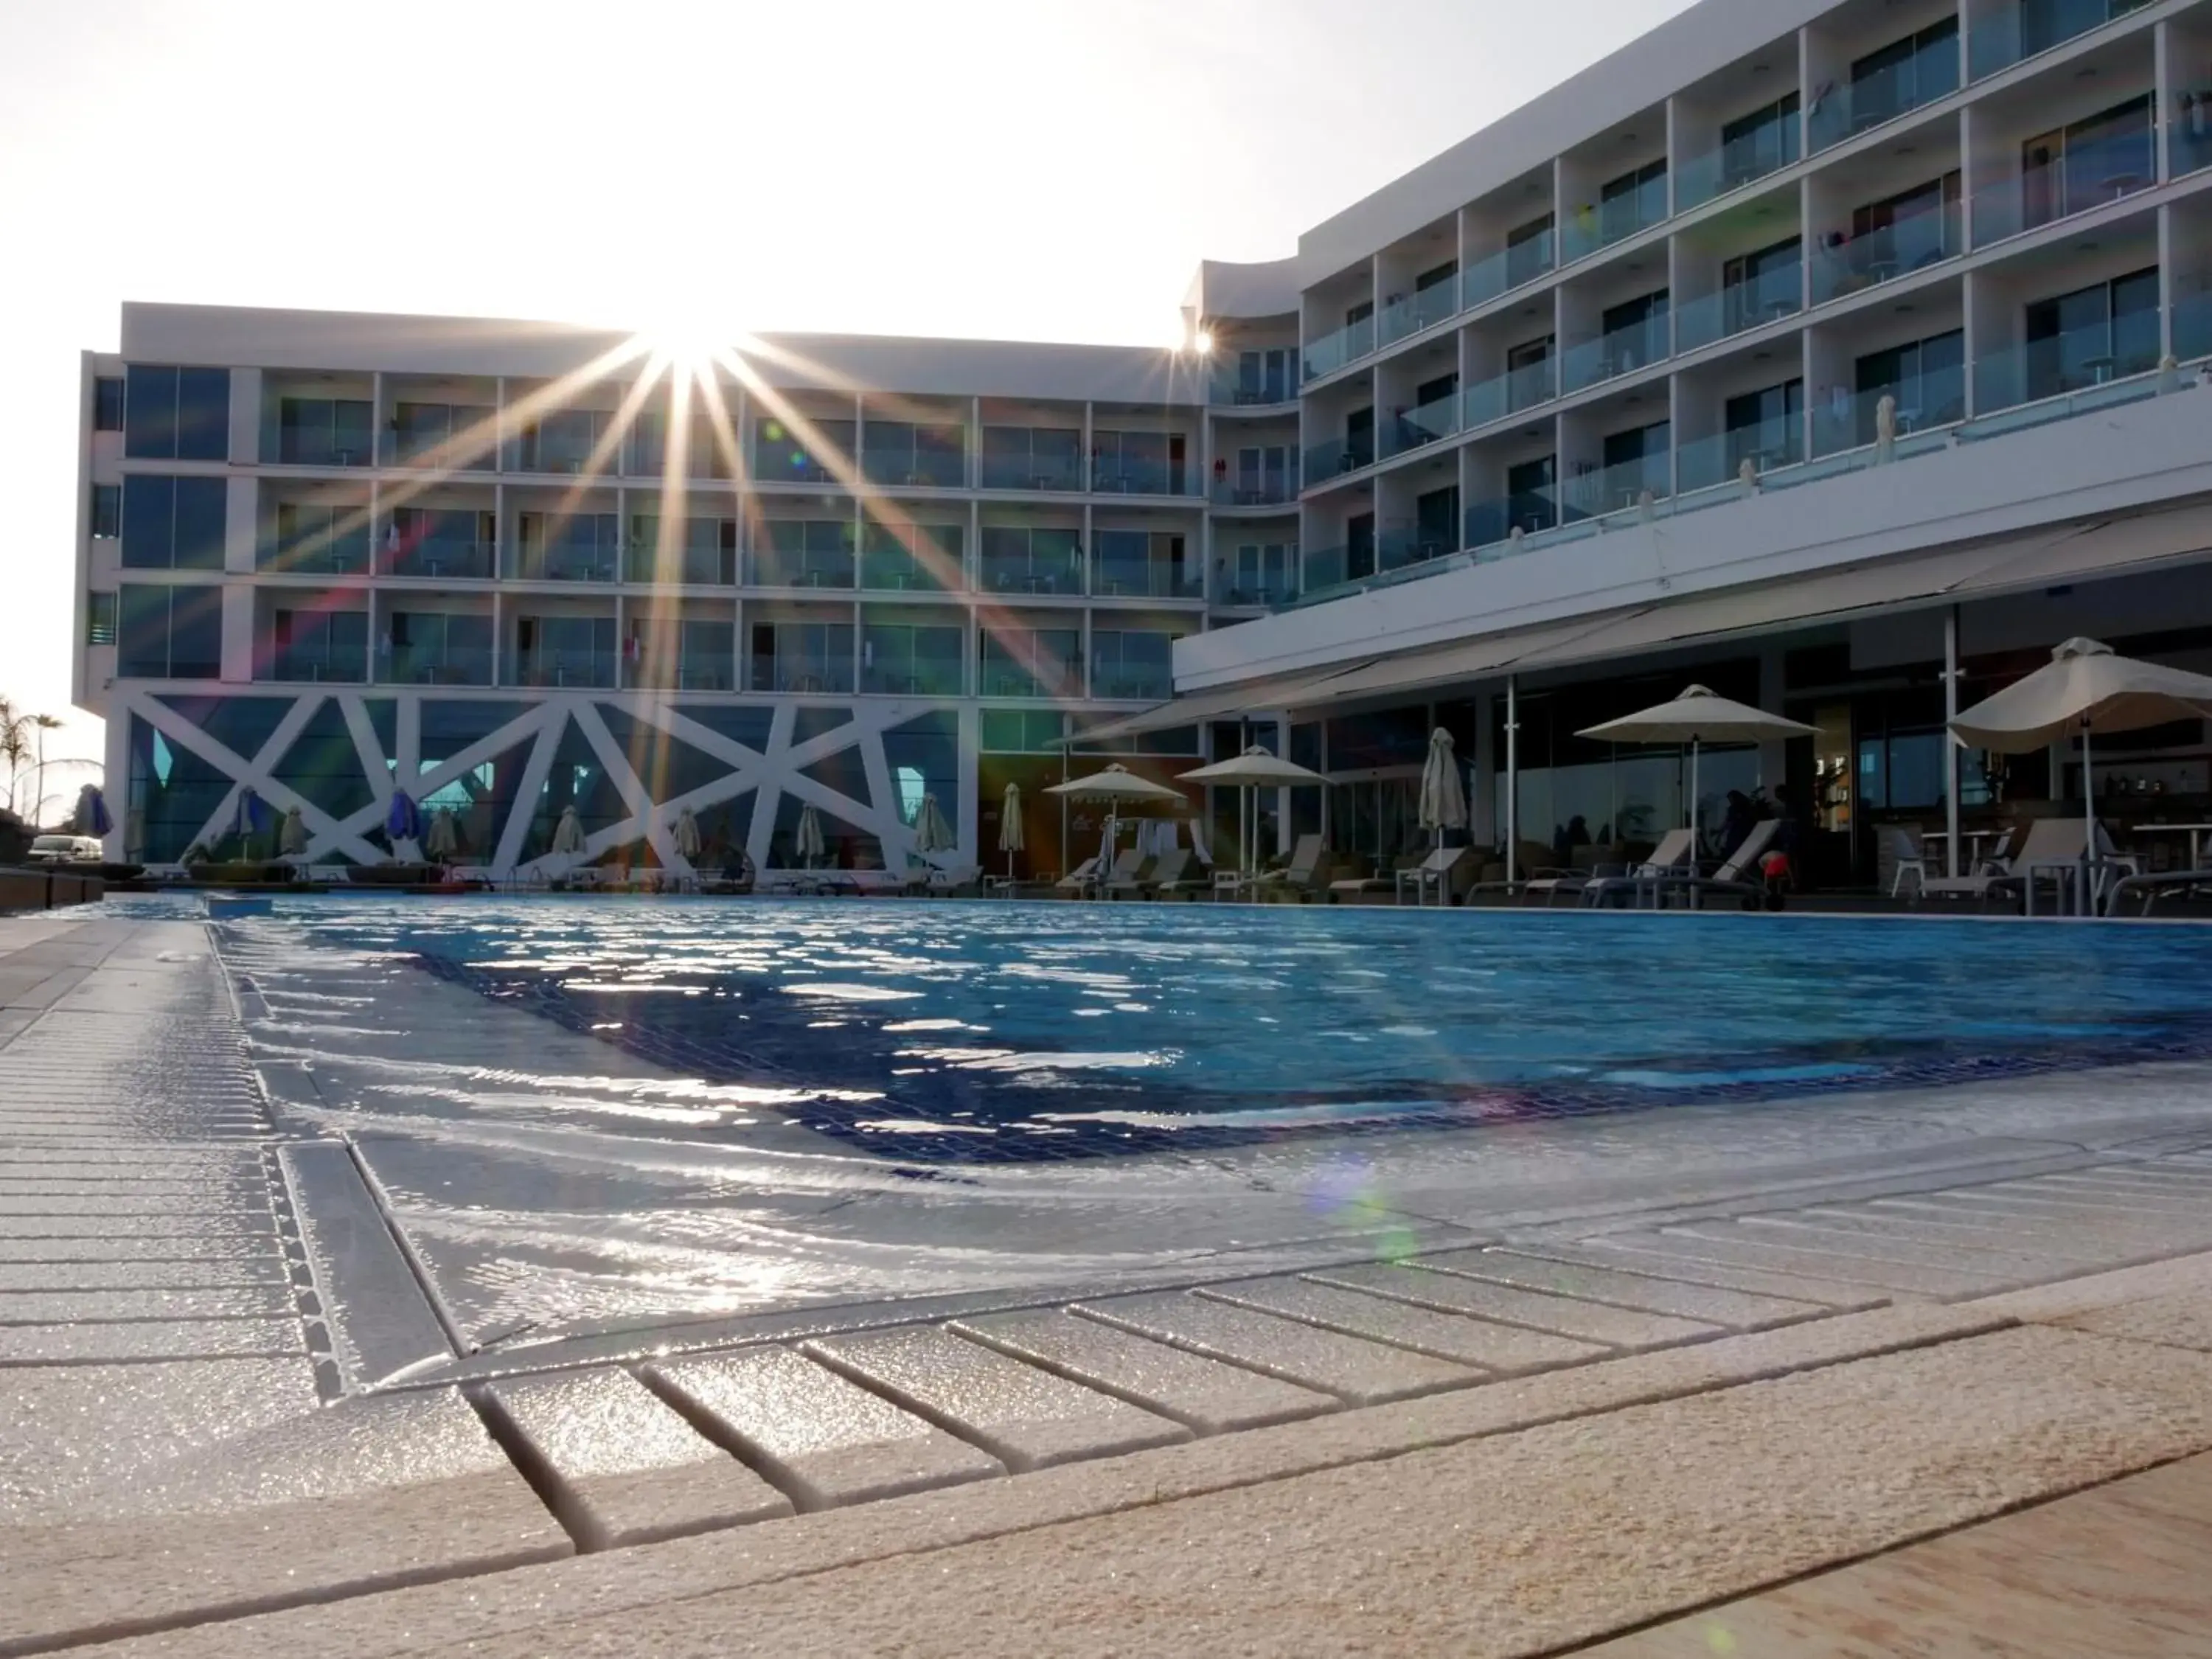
440 660
1849 264
317 541
448 437
2189 139
1333 351
804 553
2091 175
1337 457
1253 385
343 664
564 440
1031 457
1131 665
1709 463
438 558
1494 521
2079 360
807 658
1261 490
1271 588
902 456
1509 393
691 668
1737 162
1929 72
323 432
706 557
1016 560
583 669
1125 565
781 454
1622 351
1620 487
1326 566
1767 298
1400 545
2002 38
888 564
1421 426
565 561
1424 308
1516 267
2192 325
901 659
1135 477
1615 219
1032 663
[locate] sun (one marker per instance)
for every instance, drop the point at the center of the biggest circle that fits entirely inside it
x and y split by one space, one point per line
688 330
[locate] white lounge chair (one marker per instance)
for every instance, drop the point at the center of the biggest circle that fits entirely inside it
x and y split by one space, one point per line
1676 848
1737 876
1170 869
1079 880
1433 874
959 880
1300 878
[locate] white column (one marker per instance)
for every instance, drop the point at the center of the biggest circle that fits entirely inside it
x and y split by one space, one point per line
1512 776
1482 764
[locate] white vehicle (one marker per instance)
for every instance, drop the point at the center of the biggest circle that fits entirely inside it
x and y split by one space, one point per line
65 849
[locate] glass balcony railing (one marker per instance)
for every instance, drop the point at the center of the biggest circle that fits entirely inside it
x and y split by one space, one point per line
1234 389
1128 477
1043 573
2094 173
1620 487
1400 545
1273 588
1048 677
1325 567
2189 139
1031 472
1509 393
1738 162
1623 351
1601 224
1927 402
1707 463
1155 579
2006 36
313 665
2077 361
436 559
1492 521
1337 457
918 677
810 568
910 468
1847 265
1859 105
895 570
694 671
1502 272
1132 684
1333 351
1425 423
341 555
1267 490
559 668
412 665
2192 325
1424 308
803 675
1767 298
537 563
691 566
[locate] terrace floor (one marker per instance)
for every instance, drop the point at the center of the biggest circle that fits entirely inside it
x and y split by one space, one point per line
1956 1397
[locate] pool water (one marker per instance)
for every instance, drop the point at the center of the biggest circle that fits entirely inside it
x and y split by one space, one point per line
946 1033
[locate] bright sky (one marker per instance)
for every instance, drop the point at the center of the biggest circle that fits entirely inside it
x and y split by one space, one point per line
1039 169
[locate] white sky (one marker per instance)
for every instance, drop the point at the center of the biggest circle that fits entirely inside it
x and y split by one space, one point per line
1038 169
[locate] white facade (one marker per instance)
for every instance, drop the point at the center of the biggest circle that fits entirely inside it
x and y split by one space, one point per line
1750 327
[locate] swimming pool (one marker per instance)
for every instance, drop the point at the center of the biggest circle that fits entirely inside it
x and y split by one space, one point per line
985 1032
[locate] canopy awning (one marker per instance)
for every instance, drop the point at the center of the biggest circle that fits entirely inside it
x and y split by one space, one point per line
1222 702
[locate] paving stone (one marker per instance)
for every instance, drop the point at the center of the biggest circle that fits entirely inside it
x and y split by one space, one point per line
2021 1266
93 1306
230 1246
1712 1304
1620 1328
1692 1245
1486 1346
1026 1417
15 1182
1357 1371
2057 1203
1801 1287
631 1468
133 1226
826 1441
1939 1227
119 1206
20 1276
1203 1393
367 1495
173 1339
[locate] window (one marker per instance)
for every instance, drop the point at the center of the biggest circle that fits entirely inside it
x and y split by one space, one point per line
1633 200
176 414
99 619
169 633
1129 664
1032 458
1527 251
106 511
317 645
323 431
1531 497
174 523
1905 75
434 648
782 453
1928 378
913 651
1266 574
911 556
802 656
1436 522
1756 144
108 404
2101 332
1022 731
1031 662
1264 377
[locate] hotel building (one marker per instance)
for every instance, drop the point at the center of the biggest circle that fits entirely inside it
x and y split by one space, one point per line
1841 357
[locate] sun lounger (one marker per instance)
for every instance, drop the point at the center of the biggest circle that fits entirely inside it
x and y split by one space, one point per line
1132 875
1079 880
1679 847
1300 878
961 880
1358 886
1169 869
1737 877
1975 883
1435 873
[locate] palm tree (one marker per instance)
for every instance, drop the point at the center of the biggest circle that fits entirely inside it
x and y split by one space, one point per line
15 743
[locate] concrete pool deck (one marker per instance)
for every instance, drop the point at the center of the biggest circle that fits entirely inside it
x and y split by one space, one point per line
1545 1429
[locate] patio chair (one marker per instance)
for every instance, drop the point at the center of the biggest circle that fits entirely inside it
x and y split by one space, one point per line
1976 883
961 880
1353 887
1440 873
1300 876
1171 869
1907 858
1677 848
